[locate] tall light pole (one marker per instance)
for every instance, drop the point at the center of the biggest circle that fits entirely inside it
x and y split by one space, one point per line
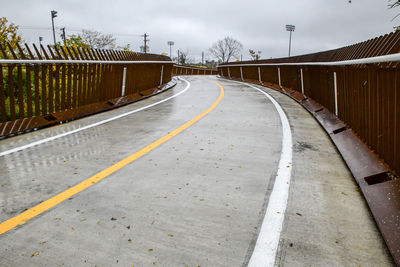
170 43
290 28
53 15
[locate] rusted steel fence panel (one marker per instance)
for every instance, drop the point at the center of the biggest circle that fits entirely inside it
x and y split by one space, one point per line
47 86
364 96
188 70
367 95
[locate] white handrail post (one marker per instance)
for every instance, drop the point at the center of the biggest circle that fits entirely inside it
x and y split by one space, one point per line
279 77
123 82
229 72
259 75
336 92
302 81
162 73
241 73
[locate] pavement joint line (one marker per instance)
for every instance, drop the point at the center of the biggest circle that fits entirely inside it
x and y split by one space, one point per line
265 250
25 216
45 140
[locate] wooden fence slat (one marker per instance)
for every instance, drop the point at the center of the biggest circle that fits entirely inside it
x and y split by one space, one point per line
69 86
51 89
11 91
44 94
75 86
57 88
63 86
20 93
37 93
3 115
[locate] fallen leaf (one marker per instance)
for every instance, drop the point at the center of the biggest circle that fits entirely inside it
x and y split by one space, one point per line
237 188
129 240
171 235
113 219
128 227
82 220
42 242
72 228
35 254
299 214
150 249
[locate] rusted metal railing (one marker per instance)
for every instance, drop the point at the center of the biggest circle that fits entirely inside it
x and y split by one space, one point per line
188 70
53 84
365 94
354 93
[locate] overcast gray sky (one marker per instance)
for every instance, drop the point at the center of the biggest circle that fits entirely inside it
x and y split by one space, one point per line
196 25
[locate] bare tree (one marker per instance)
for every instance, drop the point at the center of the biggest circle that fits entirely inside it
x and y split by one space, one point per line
98 40
184 57
254 55
225 49
394 3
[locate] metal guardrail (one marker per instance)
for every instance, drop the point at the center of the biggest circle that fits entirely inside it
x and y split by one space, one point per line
188 70
364 93
353 97
52 84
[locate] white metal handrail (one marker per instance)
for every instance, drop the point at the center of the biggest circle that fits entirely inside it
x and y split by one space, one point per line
63 61
370 60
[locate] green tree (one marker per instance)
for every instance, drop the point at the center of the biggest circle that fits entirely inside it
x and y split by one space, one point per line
75 41
8 33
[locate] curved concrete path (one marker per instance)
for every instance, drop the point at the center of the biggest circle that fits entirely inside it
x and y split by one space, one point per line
198 199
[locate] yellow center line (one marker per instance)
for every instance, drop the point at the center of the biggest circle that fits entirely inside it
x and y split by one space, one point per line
51 202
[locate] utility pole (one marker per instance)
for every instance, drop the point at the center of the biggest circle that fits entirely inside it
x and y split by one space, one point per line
40 45
290 28
202 58
63 35
53 15
145 40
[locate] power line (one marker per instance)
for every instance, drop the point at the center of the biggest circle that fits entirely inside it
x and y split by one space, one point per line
75 29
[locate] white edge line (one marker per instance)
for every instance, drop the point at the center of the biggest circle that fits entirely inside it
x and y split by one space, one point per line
7 152
266 247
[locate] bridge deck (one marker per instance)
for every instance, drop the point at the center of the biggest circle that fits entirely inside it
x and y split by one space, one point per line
197 199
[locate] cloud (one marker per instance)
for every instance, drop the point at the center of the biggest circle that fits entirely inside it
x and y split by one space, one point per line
196 25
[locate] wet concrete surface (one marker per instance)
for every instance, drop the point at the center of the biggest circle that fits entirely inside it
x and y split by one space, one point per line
197 200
